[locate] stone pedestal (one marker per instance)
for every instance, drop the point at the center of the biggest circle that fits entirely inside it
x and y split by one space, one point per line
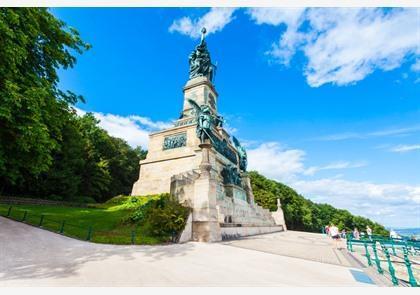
202 91
205 219
278 216
248 188
235 192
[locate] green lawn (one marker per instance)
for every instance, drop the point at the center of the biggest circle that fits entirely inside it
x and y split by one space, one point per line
105 220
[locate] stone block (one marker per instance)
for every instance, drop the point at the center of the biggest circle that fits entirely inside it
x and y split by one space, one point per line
204 231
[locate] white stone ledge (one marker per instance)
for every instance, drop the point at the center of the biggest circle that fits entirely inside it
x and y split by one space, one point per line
249 230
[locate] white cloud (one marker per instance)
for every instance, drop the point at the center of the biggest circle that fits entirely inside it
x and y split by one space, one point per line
344 45
340 136
379 133
403 148
134 129
334 166
291 38
149 123
214 20
395 131
416 66
391 204
275 161
276 16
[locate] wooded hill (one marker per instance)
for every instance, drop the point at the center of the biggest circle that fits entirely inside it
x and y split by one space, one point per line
303 214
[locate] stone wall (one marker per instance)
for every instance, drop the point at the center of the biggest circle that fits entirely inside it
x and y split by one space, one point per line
160 165
244 231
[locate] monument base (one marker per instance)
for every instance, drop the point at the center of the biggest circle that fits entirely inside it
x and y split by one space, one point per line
206 231
234 232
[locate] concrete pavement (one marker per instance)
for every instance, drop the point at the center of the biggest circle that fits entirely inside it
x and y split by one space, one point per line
309 246
30 256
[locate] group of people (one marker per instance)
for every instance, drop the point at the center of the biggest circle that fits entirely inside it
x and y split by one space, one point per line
333 232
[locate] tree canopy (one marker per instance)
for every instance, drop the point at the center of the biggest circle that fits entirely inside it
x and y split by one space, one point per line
46 149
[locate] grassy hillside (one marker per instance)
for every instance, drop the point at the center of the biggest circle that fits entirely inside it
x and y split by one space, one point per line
303 214
112 222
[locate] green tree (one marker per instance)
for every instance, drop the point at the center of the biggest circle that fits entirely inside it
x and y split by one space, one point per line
62 181
34 44
112 165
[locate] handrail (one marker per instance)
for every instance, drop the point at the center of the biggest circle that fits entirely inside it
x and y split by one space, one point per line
62 227
384 245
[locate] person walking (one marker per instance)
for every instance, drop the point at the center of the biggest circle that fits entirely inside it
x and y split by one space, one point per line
335 235
356 234
369 232
343 233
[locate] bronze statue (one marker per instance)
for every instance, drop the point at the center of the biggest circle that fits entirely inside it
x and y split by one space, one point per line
243 158
205 121
200 61
231 175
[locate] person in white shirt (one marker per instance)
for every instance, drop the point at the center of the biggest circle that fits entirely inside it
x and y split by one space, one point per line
369 232
335 235
356 234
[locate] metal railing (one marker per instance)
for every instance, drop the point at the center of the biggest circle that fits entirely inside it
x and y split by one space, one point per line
63 227
45 222
394 252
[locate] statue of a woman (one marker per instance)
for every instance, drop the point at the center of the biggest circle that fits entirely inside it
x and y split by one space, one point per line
200 62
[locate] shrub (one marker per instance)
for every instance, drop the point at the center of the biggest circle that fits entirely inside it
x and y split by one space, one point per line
162 216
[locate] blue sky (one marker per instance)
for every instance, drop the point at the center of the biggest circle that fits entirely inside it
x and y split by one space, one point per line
326 100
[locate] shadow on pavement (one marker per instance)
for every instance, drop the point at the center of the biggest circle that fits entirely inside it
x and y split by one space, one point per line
29 252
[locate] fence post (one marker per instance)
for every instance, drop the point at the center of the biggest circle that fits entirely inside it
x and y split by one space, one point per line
41 220
390 267
9 211
62 226
407 262
89 235
393 248
367 254
377 261
133 237
24 216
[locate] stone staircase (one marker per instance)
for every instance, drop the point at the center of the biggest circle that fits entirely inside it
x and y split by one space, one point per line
236 217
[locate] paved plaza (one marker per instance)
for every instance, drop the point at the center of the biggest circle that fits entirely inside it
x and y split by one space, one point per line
34 257
309 246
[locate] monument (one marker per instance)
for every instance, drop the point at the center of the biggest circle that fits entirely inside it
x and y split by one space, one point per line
197 161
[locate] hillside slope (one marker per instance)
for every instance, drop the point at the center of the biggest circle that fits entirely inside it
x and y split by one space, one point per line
303 214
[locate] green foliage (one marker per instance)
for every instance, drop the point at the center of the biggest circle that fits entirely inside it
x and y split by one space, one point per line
162 216
105 219
141 212
302 214
88 163
33 111
46 150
